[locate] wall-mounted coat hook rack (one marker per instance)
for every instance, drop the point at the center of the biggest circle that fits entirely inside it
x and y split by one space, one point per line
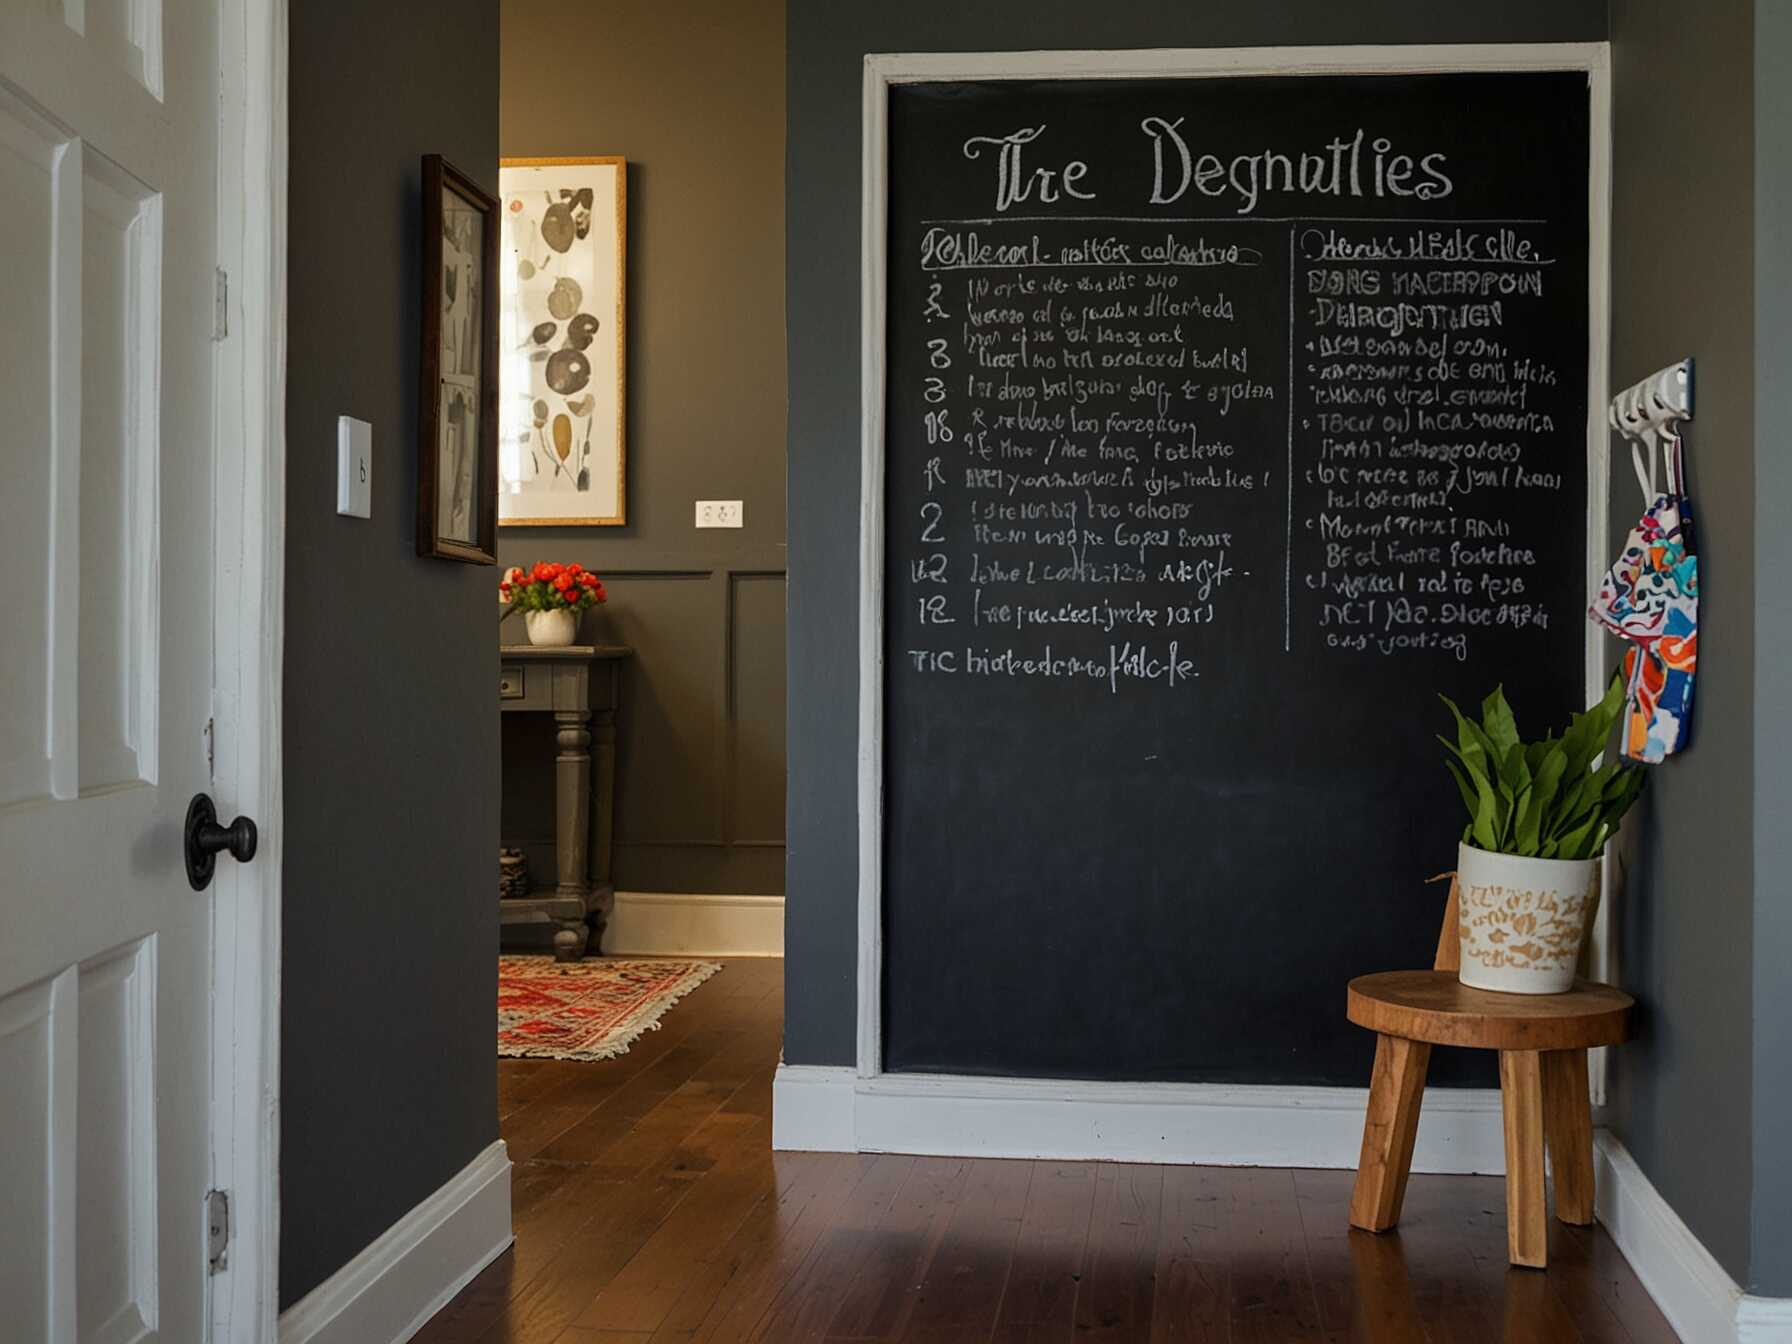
1655 405
1649 414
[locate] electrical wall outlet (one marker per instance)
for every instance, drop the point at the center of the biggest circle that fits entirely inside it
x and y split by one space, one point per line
354 467
718 513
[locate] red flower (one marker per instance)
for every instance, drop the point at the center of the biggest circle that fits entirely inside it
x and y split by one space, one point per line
540 572
575 569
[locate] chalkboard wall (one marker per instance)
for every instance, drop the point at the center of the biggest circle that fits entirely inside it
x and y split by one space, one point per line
1228 422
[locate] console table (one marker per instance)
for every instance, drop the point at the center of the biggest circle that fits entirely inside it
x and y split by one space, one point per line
578 684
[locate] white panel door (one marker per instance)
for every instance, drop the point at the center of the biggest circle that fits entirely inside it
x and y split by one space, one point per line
108 133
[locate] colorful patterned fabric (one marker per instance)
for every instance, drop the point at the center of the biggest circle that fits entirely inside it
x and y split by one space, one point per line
1651 598
586 1010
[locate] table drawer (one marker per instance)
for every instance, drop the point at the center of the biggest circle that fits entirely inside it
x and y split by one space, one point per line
512 684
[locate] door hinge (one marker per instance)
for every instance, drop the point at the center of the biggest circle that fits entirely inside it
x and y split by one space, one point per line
211 749
217 1229
221 306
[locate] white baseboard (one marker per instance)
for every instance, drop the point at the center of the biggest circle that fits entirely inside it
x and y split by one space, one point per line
1697 1295
412 1270
834 1110
677 924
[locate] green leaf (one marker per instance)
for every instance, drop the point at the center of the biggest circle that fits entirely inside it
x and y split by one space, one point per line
1471 742
1468 794
1529 834
1497 721
1576 844
1484 825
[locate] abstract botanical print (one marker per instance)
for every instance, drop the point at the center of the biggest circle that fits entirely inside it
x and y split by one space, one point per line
1651 598
561 395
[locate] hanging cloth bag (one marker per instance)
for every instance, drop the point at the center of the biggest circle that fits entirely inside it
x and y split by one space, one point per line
1650 597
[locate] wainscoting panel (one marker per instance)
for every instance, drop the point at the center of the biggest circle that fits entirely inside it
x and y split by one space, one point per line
756 709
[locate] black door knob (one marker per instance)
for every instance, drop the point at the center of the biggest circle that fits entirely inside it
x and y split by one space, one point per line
205 838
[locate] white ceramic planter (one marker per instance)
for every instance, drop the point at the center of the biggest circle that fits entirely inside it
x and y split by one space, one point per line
1522 920
554 629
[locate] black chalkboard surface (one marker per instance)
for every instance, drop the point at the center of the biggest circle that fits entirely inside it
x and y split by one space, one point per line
1229 420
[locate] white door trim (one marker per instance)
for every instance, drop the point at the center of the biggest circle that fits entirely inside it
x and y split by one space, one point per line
248 632
883 71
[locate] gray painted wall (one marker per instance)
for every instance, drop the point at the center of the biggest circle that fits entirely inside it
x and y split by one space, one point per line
1771 1270
387 1082
692 94
827 39
1683 96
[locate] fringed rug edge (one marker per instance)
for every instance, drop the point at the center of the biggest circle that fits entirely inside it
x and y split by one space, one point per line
701 971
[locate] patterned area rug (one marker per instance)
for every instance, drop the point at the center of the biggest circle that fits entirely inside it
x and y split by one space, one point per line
586 1010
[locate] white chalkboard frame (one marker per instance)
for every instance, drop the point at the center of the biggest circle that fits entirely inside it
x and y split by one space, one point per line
849 1122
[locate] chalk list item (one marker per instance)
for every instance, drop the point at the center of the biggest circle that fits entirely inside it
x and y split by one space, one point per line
1228 421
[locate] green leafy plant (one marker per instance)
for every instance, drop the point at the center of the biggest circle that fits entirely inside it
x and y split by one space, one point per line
1541 800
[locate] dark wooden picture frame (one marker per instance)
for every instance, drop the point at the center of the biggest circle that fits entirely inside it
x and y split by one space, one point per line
457 500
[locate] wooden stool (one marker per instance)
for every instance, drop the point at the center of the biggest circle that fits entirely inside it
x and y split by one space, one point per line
1543 1041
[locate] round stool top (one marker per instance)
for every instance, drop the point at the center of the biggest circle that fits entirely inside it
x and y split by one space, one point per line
1435 1006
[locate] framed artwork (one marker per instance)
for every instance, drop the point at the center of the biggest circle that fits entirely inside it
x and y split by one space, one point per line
457 447
560 426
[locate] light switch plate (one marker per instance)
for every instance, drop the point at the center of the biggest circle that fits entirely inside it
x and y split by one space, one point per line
718 513
354 467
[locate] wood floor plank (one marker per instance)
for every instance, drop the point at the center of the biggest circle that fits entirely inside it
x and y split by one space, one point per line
1272 1296
755 1250
1194 1275
1362 1285
961 1287
786 1249
805 1306
643 1293
1049 1254
1115 1297
1590 1272
876 1305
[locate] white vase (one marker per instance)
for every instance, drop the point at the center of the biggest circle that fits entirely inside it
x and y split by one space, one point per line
1522 920
554 628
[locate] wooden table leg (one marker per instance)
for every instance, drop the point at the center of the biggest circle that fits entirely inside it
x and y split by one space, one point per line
1396 1090
1568 1126
1521 1103
572 802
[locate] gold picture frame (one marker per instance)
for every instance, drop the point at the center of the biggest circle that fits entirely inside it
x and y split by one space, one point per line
563 263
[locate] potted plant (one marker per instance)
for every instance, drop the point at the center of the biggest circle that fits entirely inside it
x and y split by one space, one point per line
550 596
1539 815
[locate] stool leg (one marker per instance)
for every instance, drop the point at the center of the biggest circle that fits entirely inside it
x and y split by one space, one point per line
1521 1097
1395 1091
1568 1123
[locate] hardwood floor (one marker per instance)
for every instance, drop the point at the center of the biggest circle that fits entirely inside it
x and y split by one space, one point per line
649 1208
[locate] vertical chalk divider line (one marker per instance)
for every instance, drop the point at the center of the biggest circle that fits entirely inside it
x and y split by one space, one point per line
881 72
1288 551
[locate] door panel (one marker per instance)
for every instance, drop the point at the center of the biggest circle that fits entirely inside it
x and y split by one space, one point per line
108 142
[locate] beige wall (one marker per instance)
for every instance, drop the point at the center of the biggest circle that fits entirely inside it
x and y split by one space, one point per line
692 94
